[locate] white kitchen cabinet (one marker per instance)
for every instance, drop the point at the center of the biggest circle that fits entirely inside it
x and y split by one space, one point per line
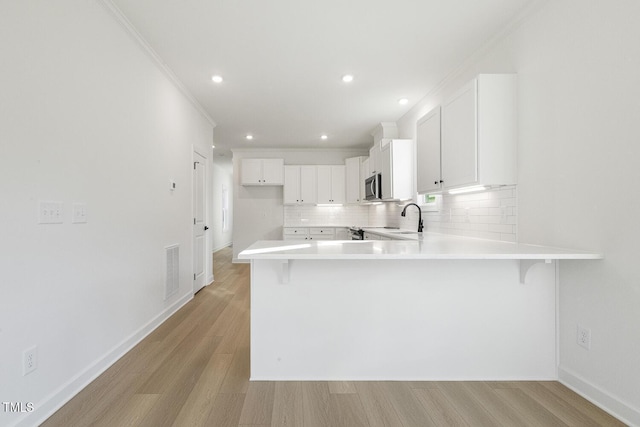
371 236
314 233
397 162
428 174
479 133
262 172
354 179
374 159
331 184
300 185
317 233
295 233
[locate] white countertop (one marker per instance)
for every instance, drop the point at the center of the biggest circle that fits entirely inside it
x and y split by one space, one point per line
426 246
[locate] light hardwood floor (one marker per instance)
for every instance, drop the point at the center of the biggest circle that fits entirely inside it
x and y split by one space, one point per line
194 371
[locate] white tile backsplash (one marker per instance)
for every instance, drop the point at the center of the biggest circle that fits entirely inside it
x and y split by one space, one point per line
345 216
490 214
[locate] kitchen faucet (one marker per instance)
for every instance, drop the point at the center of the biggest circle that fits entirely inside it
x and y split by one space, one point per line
404 213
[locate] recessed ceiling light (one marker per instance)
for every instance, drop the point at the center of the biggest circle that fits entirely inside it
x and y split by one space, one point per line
249 137
347 78
403 101
217 79
324 137
213 146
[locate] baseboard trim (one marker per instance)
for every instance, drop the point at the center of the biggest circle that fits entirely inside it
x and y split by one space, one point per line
67 391
599 397
225 245
240 261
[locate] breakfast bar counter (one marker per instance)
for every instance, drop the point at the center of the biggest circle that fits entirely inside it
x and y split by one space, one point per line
436 307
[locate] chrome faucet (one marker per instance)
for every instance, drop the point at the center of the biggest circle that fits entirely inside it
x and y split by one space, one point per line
404 213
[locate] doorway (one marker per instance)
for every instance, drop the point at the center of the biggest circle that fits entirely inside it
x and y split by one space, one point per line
199 221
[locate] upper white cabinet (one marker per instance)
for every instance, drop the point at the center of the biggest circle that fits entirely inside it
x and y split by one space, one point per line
331 184
262 172
382 134
355 179
300 185
428 152
479 133
397 169
374 159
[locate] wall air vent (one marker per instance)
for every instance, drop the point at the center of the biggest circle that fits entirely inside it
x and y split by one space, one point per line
172 264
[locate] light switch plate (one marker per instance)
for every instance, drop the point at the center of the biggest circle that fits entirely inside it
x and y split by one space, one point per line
79 213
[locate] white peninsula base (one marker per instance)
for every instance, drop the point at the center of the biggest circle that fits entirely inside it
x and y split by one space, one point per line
402 319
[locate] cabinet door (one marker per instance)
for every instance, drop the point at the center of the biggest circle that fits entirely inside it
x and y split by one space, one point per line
273 171
331 184
428 152
459 138
374 159
364 174
324 184
385 170
291 190
338 184
308 185
352 167
251 172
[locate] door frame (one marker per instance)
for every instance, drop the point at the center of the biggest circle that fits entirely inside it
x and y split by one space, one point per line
199 155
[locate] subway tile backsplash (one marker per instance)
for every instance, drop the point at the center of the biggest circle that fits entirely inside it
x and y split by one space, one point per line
344 216
490 214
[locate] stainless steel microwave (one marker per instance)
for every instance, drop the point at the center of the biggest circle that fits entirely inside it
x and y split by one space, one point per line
373 187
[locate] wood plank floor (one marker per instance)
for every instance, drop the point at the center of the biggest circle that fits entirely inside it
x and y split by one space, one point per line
194 371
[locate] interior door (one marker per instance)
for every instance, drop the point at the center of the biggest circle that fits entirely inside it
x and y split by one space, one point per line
199 225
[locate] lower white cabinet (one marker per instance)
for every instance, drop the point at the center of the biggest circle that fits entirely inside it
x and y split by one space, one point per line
315 233
321 233
371 236
295 233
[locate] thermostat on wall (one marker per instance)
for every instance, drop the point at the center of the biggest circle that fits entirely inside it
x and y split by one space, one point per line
172 185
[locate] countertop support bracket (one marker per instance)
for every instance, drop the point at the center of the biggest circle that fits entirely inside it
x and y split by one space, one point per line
526 264
284 278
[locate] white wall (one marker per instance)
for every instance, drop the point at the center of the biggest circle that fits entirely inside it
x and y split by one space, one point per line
258 212
578 64
222 178
86 116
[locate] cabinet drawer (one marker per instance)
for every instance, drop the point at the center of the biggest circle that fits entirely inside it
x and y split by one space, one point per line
295 237
322 231
294 231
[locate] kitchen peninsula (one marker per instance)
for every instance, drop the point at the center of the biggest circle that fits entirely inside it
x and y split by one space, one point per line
428 307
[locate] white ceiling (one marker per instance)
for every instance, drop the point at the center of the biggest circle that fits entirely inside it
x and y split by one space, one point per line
282 60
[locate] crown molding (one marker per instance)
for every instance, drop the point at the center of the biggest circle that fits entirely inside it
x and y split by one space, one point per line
511 26
135 34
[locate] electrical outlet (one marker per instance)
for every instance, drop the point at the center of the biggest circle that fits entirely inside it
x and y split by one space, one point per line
29 360
584 337
50 212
